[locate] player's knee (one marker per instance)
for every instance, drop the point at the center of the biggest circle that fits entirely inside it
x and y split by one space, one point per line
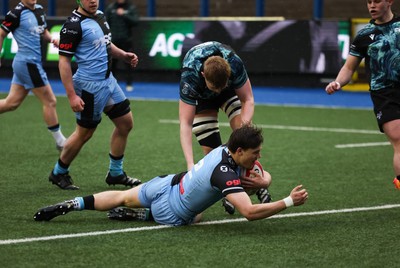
124 128
82 135
206 130
124 125
119 109
232 107
52 103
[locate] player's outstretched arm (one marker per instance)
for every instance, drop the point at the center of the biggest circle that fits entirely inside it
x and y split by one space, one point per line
242 202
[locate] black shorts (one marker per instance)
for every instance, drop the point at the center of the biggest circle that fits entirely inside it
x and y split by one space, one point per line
215 103
386 105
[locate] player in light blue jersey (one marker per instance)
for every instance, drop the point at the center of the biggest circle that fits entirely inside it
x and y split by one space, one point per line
93 90
27 23
180 199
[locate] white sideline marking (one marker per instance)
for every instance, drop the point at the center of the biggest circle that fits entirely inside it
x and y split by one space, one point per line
127 230
300 128
368 144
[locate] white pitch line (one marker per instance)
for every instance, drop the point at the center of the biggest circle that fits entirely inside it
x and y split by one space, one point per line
299 128
355 145
55 237
148 228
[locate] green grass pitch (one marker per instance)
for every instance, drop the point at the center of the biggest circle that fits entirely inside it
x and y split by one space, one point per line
301 147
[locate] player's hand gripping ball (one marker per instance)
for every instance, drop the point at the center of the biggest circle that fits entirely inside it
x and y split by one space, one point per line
246 173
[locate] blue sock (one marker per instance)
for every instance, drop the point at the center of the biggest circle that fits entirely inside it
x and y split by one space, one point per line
78 203
58 169
116 164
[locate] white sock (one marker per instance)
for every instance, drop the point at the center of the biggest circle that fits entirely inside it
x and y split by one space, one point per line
58 137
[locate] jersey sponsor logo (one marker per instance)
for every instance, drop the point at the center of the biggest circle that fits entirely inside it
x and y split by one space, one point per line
104 40
233 183
70 31
37 30
66 46
7 24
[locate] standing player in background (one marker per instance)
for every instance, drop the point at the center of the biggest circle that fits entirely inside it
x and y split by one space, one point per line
378 43
213 77
122 17
93 90
27 22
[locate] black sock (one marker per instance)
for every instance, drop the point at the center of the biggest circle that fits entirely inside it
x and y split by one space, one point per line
89 202
116 157
151 218
62 164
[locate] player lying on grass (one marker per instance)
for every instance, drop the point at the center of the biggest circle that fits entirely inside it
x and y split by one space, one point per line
179 199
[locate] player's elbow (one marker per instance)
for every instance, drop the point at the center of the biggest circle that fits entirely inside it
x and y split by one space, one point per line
249 215
251 218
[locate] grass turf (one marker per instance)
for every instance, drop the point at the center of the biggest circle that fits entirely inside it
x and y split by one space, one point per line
335 178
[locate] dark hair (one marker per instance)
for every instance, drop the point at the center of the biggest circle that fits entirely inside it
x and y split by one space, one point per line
247 137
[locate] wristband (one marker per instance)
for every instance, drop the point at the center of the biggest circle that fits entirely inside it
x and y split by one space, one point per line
288 201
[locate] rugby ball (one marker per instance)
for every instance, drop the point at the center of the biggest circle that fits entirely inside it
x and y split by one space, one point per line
246 173
257 168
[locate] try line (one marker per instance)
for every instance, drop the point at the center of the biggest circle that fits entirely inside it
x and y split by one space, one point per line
299 128
149 228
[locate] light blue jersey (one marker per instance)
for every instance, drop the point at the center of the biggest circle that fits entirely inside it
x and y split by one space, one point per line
89 40
177 199
27 27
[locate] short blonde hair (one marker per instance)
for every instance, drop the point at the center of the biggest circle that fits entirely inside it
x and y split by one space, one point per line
217 71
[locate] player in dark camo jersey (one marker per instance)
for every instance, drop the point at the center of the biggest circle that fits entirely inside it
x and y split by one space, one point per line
378 42
27 22
213 77
179 199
